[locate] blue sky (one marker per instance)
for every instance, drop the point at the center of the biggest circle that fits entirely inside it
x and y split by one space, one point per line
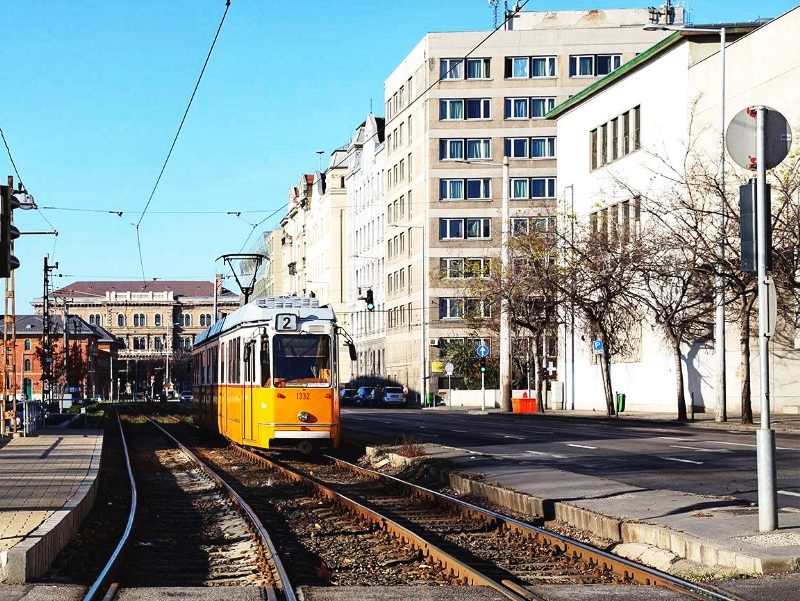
95 91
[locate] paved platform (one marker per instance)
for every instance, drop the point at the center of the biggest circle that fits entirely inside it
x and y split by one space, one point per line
49 486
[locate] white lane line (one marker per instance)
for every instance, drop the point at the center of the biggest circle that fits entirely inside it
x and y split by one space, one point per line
744 444
546 454
681 460
674 438
514 437
426 434
702 450
390 423
580 446
788 492
462 431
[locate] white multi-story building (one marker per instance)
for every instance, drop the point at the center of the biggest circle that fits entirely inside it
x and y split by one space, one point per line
451 115
365 242
633 127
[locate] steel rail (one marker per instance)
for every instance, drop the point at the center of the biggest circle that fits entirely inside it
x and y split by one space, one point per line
461 571
123 541
282 578
625 568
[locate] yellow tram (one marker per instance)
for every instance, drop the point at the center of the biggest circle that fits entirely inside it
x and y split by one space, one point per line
267 375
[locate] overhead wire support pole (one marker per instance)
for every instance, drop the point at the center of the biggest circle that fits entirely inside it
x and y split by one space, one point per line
505 318
719 282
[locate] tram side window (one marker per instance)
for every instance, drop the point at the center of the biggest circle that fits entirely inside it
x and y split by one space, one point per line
222 364
214 364
265 366
249 363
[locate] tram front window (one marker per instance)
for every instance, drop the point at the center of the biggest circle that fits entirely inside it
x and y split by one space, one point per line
301 360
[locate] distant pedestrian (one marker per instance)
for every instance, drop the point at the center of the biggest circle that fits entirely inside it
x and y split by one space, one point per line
405 392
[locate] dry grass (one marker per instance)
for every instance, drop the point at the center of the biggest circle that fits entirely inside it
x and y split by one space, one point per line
410 448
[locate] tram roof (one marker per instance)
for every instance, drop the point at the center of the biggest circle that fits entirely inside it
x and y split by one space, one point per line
263 310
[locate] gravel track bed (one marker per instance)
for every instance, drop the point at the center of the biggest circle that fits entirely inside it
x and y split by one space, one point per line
187 531
498 552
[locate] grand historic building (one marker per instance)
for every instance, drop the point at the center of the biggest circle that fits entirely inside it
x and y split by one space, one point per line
156 322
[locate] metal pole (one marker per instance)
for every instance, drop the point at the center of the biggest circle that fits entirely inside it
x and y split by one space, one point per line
483 391
719 283
765 437
216 288
450 390
423 318
110 376
505 319
572 300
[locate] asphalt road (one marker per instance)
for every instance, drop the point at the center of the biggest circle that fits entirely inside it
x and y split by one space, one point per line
645 455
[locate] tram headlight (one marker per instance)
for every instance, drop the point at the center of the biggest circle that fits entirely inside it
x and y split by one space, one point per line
303 416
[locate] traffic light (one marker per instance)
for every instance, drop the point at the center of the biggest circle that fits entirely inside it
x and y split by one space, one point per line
370 300
8 233
483 365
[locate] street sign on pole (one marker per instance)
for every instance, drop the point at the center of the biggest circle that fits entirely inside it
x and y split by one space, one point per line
597 346
449 368
742 138
482 351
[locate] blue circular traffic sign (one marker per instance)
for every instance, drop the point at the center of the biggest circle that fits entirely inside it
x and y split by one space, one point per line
482 351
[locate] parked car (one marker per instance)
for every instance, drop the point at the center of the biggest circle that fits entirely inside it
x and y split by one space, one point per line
364 395
393 397
347 396
186 396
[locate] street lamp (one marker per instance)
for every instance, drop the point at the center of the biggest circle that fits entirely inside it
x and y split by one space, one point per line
719 285
505 264
423 364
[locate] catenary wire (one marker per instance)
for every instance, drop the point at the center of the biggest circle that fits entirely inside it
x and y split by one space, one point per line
177 133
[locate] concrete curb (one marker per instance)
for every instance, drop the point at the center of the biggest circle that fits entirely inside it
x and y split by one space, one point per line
31 557
620 531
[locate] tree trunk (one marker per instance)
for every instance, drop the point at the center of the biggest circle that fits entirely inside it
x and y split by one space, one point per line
681 395
605 370
744 343
537 379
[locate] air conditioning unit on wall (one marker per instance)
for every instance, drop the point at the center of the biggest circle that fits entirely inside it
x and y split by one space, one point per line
434 342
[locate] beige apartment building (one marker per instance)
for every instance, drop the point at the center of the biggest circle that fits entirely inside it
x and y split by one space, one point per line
156 321
443 156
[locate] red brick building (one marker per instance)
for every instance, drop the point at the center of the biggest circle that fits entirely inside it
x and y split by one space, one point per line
97 346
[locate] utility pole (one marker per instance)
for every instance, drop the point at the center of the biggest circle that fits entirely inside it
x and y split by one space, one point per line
47 342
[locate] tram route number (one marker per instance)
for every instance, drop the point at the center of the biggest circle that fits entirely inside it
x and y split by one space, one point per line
303 396
285 322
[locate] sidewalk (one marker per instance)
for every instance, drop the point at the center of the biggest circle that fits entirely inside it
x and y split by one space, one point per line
49 486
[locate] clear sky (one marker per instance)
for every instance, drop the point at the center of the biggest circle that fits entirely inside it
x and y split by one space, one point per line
94 92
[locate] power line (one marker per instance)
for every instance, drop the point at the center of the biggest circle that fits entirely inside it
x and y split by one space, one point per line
121 212
177 133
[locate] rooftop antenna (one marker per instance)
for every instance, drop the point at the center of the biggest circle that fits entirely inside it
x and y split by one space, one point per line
319 154
495 6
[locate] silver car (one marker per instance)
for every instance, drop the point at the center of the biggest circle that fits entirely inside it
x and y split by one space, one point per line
393 397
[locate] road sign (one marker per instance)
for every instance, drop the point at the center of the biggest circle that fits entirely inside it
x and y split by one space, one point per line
448 369
597 346
482 351
740 139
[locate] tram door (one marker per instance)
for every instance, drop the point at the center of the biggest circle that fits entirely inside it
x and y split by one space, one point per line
249 379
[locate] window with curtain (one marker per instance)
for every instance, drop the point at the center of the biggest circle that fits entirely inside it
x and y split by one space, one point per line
451 189
121 320
451 68
478 68
479 149
451 149
520 67
478 227
540 106
543 66
520 188
27 364
543 147
451 109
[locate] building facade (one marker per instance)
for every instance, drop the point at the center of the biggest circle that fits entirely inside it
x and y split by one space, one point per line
367 247
443 155
673 122
156 322
97 347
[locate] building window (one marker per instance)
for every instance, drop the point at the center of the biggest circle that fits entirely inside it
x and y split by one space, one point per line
27 364
476 149
451 189
451 68
451 150
451 109
478 68
530 148
121 320
27 344
517 148
541 105
187 344
139 343
451 308
479 149
139 320
523 188
590 65
157 319
543 148
479 108
477 308
456 268
157 344
524 67
185 320
470 228
615 138
517 108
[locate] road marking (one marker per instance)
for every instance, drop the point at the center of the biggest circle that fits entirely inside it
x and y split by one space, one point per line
788 492
673 438
677 446
546 454
514 437
681 460
390 423
580 446
462 431
744 444
426 434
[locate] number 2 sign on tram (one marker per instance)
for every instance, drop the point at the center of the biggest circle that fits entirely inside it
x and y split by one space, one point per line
286 322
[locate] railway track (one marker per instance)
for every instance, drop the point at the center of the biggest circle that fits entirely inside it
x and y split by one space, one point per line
186 528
